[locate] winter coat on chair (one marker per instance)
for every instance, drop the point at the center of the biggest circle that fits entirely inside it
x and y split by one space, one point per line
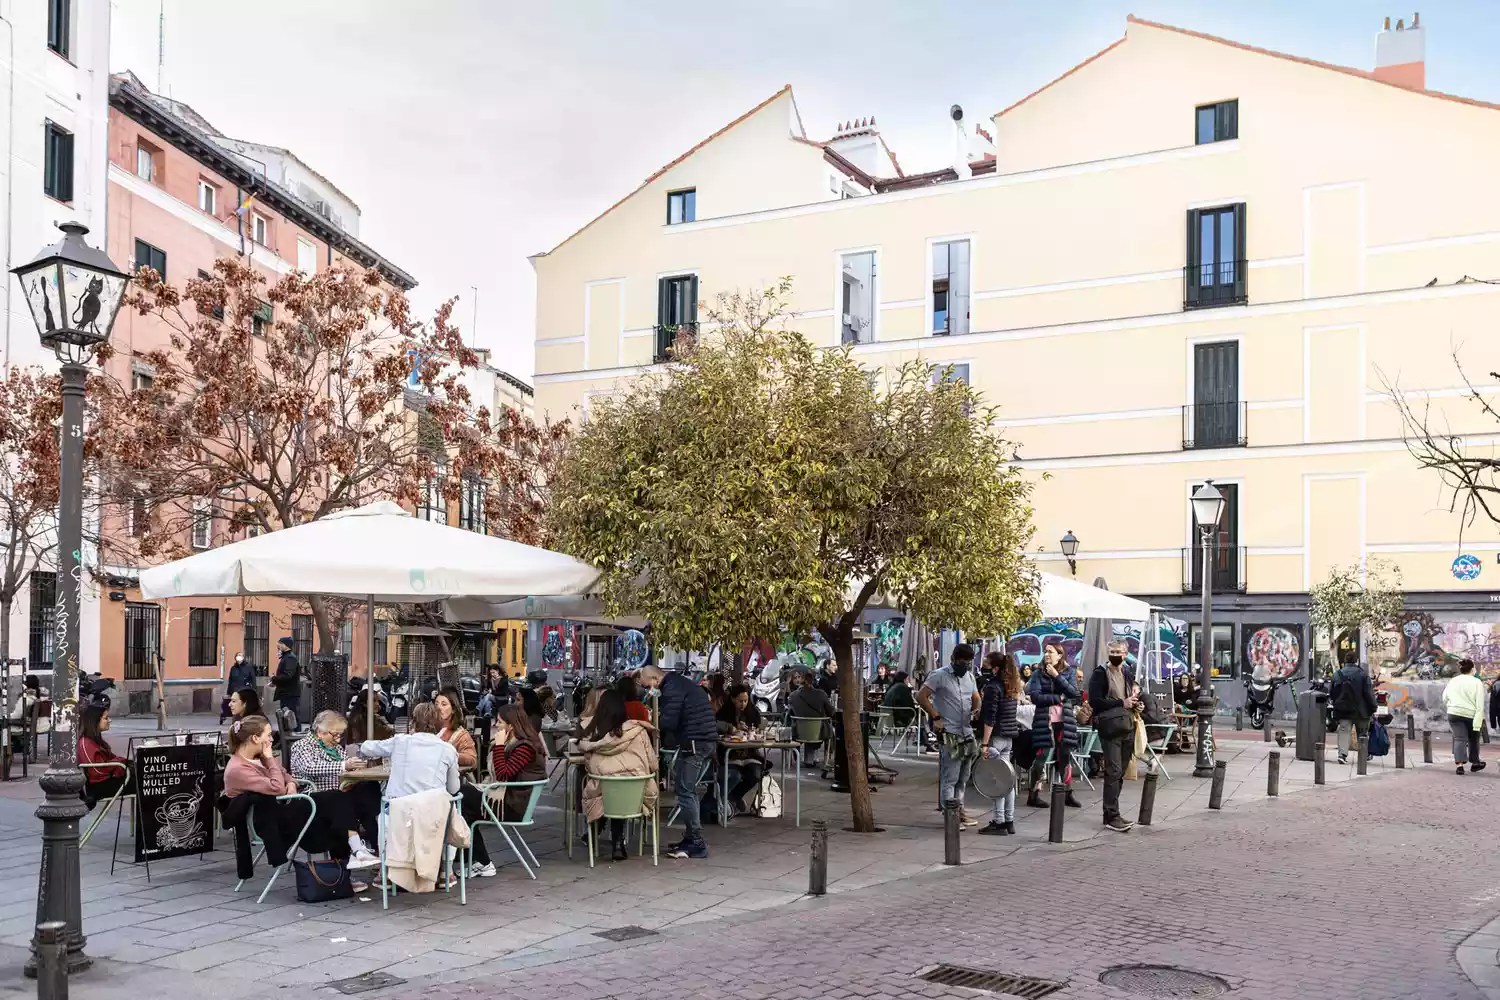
1044 692
627 755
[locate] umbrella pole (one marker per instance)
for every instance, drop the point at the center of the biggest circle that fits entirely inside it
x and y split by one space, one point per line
370 668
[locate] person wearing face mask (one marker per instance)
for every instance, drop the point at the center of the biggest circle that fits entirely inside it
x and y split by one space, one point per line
1115 700
241 676
951 697
1054 727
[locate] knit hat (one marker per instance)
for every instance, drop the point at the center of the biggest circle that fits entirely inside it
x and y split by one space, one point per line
289 642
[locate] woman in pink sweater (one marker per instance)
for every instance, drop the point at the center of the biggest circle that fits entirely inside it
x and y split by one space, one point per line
253 766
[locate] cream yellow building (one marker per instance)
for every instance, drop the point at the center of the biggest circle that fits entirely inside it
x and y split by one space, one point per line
1184 259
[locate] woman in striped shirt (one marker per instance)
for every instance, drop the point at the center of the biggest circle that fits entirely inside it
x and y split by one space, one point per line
518 755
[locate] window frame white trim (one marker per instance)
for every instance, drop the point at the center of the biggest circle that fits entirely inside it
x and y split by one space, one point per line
203 516
312 249
261 222
933 366
212 190
932 241
838 294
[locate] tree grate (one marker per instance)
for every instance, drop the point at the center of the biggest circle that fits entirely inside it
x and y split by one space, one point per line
1164 981
365 983
627 933
991 982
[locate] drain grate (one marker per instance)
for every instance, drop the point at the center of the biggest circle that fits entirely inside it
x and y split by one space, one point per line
627 933
991 982
1164 981
364 984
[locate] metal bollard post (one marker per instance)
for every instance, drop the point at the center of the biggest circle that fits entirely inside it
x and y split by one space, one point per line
1427 746
1400 751
1319 762
950 832
817 865
1216 792
1363 764
52 966
1273 774
1411 726
1059 809
1265 728
1148 796
1239 718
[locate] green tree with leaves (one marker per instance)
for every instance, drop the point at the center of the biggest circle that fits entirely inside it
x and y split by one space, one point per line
1358 599
759 484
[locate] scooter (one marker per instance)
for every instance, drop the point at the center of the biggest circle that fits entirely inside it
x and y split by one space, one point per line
358 698
766 689
92 688
1260 697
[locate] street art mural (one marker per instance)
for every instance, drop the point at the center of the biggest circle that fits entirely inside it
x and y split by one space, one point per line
1429 650
1272 650
1165 655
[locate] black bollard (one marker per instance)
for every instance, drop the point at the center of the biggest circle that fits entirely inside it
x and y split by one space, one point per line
1273 774
950 832
1239 718
1411 726
1400 751
1265 728
1059 809
1427 746
1216 791
817 865
51 966
1148 796
1362 766
1319 761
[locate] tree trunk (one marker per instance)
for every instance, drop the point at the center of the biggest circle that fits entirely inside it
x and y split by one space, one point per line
161 693
6 603
863 810
327 645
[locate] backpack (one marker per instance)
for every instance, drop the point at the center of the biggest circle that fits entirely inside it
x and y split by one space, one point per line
1380 740
768 801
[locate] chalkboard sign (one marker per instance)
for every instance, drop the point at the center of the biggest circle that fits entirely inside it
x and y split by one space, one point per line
176 787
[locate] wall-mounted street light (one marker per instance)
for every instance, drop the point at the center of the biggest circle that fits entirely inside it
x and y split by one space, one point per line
1069 546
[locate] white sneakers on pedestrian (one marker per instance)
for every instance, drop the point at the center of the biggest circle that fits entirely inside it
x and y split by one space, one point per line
477 870
364 859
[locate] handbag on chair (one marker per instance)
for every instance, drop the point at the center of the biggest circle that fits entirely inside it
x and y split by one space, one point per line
322 881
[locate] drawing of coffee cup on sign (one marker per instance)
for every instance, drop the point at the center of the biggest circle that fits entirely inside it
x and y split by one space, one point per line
178 817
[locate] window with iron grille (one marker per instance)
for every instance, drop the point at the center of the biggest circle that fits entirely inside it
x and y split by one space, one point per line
258 640
346 641
471 505
433 507
382 642
203 637
302 638
142 640
43 618
203 524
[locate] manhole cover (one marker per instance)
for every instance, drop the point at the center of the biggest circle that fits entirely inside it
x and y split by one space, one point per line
364 984
1164 981
990 981
627 933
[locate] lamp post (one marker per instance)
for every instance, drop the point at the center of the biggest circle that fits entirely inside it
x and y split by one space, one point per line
1208 508
74 292
1069 546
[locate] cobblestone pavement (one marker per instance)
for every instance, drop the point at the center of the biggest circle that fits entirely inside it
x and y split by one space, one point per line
1362 891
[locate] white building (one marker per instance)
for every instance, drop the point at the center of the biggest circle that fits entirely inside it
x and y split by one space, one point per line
54 73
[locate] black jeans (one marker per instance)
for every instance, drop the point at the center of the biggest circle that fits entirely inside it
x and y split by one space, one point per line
278 823
470 809
364 799
1117 752
98 791
749 771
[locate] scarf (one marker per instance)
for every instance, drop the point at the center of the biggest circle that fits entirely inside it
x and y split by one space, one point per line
332 753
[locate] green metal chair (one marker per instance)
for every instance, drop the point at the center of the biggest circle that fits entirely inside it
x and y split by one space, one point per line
517 843
387 887
291 851
115 800
1155 748
625 798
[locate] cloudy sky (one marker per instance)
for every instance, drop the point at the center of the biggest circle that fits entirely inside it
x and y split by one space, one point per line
473 133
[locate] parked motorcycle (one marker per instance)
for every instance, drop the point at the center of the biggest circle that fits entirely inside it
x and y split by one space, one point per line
92 690
1260 697
358 698
765 688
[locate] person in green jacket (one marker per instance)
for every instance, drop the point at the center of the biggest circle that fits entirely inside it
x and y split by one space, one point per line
899 699
1463 700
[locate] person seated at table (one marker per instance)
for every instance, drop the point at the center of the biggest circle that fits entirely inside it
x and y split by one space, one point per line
715 685
589 705
245 701
547 702
1185 690
450 706
900 700
516 754
496 693
828 678
319 764
615 746
420 761
20 712
102 782
359 726
809 702
531 704
628 690
738 717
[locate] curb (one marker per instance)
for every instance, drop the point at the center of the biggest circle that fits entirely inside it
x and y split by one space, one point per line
1479 957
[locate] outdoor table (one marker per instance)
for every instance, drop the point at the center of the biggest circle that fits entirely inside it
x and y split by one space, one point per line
380 772
721 787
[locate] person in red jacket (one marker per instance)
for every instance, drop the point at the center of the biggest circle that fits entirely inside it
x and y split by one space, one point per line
102 782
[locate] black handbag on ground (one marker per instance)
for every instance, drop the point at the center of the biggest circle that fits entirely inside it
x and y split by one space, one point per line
322 881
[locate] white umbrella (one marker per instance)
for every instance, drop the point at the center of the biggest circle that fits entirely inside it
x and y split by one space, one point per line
1064 598
588 609
377 552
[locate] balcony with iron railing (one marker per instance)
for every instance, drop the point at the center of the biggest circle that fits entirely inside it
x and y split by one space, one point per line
1226 569
1213 425
1221 283
670 336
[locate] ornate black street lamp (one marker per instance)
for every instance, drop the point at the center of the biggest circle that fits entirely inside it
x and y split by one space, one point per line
1208 508
74 292
1070 550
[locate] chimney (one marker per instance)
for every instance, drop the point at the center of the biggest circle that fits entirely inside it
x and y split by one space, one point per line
1401 53
960 143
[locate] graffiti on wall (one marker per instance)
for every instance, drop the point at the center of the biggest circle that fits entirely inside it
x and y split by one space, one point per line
1272 650
1429 649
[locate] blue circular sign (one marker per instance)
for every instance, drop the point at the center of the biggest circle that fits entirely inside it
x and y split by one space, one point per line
1466 567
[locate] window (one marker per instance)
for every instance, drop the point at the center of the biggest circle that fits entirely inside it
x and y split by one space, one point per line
1221 656
208 198
676 308
1217 122
142 640
1216 266
950 288
307 256
140 378
59 26
1226 558
260 229
203 637
138 517
433 507
203 523
43 618
857 298
346 640
57 168
147 255
302 639
382 641
145 162
218 311
471 505
258 641
262 319
957 371
1214 420
682 206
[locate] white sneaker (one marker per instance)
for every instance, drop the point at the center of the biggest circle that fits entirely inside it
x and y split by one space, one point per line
364 859
478 870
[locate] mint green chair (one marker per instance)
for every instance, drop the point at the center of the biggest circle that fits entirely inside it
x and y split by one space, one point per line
625 798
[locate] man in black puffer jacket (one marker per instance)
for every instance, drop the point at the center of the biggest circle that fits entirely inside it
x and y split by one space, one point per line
686 722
